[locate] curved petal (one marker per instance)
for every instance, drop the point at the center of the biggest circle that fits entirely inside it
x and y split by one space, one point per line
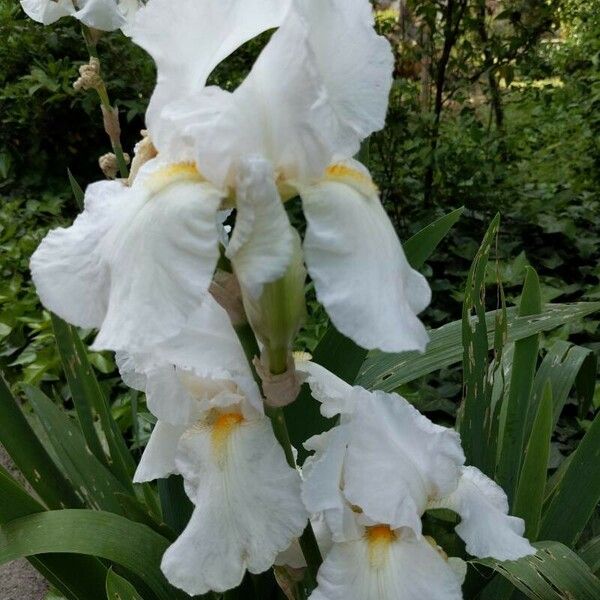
397 460
69 270
280 112
355 63
100 14
360 271
486 527
158 460
384 564
47 11
198 37
335 395
262 242
321 489
248 506
205 359
162 256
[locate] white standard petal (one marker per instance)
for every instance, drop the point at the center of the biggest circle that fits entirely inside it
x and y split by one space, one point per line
335 395
47 11
262 242
486 526
280 112
100 14
188 39
69 271
356 63
248 506
158 460
398 460
321 488
384 565
162 257
360 271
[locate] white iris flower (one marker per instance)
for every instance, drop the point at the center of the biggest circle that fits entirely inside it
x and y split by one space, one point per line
319 87
211 429
105 15
374 475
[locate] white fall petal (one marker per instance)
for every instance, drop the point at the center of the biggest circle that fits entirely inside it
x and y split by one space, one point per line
361 274
486 526
138 261
386 564
247 503
196 365
158 460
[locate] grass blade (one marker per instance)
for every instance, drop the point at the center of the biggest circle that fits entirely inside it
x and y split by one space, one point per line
92 533
514 423
576 496
29 455
532 484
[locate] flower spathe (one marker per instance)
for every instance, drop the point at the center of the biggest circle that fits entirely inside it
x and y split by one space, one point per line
374 475
105 15
213 432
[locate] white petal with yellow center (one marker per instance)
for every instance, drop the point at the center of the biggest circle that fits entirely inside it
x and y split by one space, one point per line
359 268
398 460
386 565
198 364
247 503
486 526
162 256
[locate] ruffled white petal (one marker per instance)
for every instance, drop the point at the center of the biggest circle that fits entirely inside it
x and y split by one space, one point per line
398 460
262 243
485 525
355 63
198 364
402 569
280 112
293 556
248 506
162 257
69 270
158 460
47 11
360 271
335 395
188 39
321 489
100 14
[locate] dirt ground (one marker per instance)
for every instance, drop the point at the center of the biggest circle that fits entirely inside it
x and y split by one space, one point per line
19 580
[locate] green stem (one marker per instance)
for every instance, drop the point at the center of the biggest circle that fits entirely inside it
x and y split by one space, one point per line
105 102
308 541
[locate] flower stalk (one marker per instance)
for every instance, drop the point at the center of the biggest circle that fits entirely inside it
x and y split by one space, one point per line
109 113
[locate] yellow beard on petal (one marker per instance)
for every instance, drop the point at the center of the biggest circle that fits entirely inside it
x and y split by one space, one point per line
342 173
223 425
379 539
174 173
